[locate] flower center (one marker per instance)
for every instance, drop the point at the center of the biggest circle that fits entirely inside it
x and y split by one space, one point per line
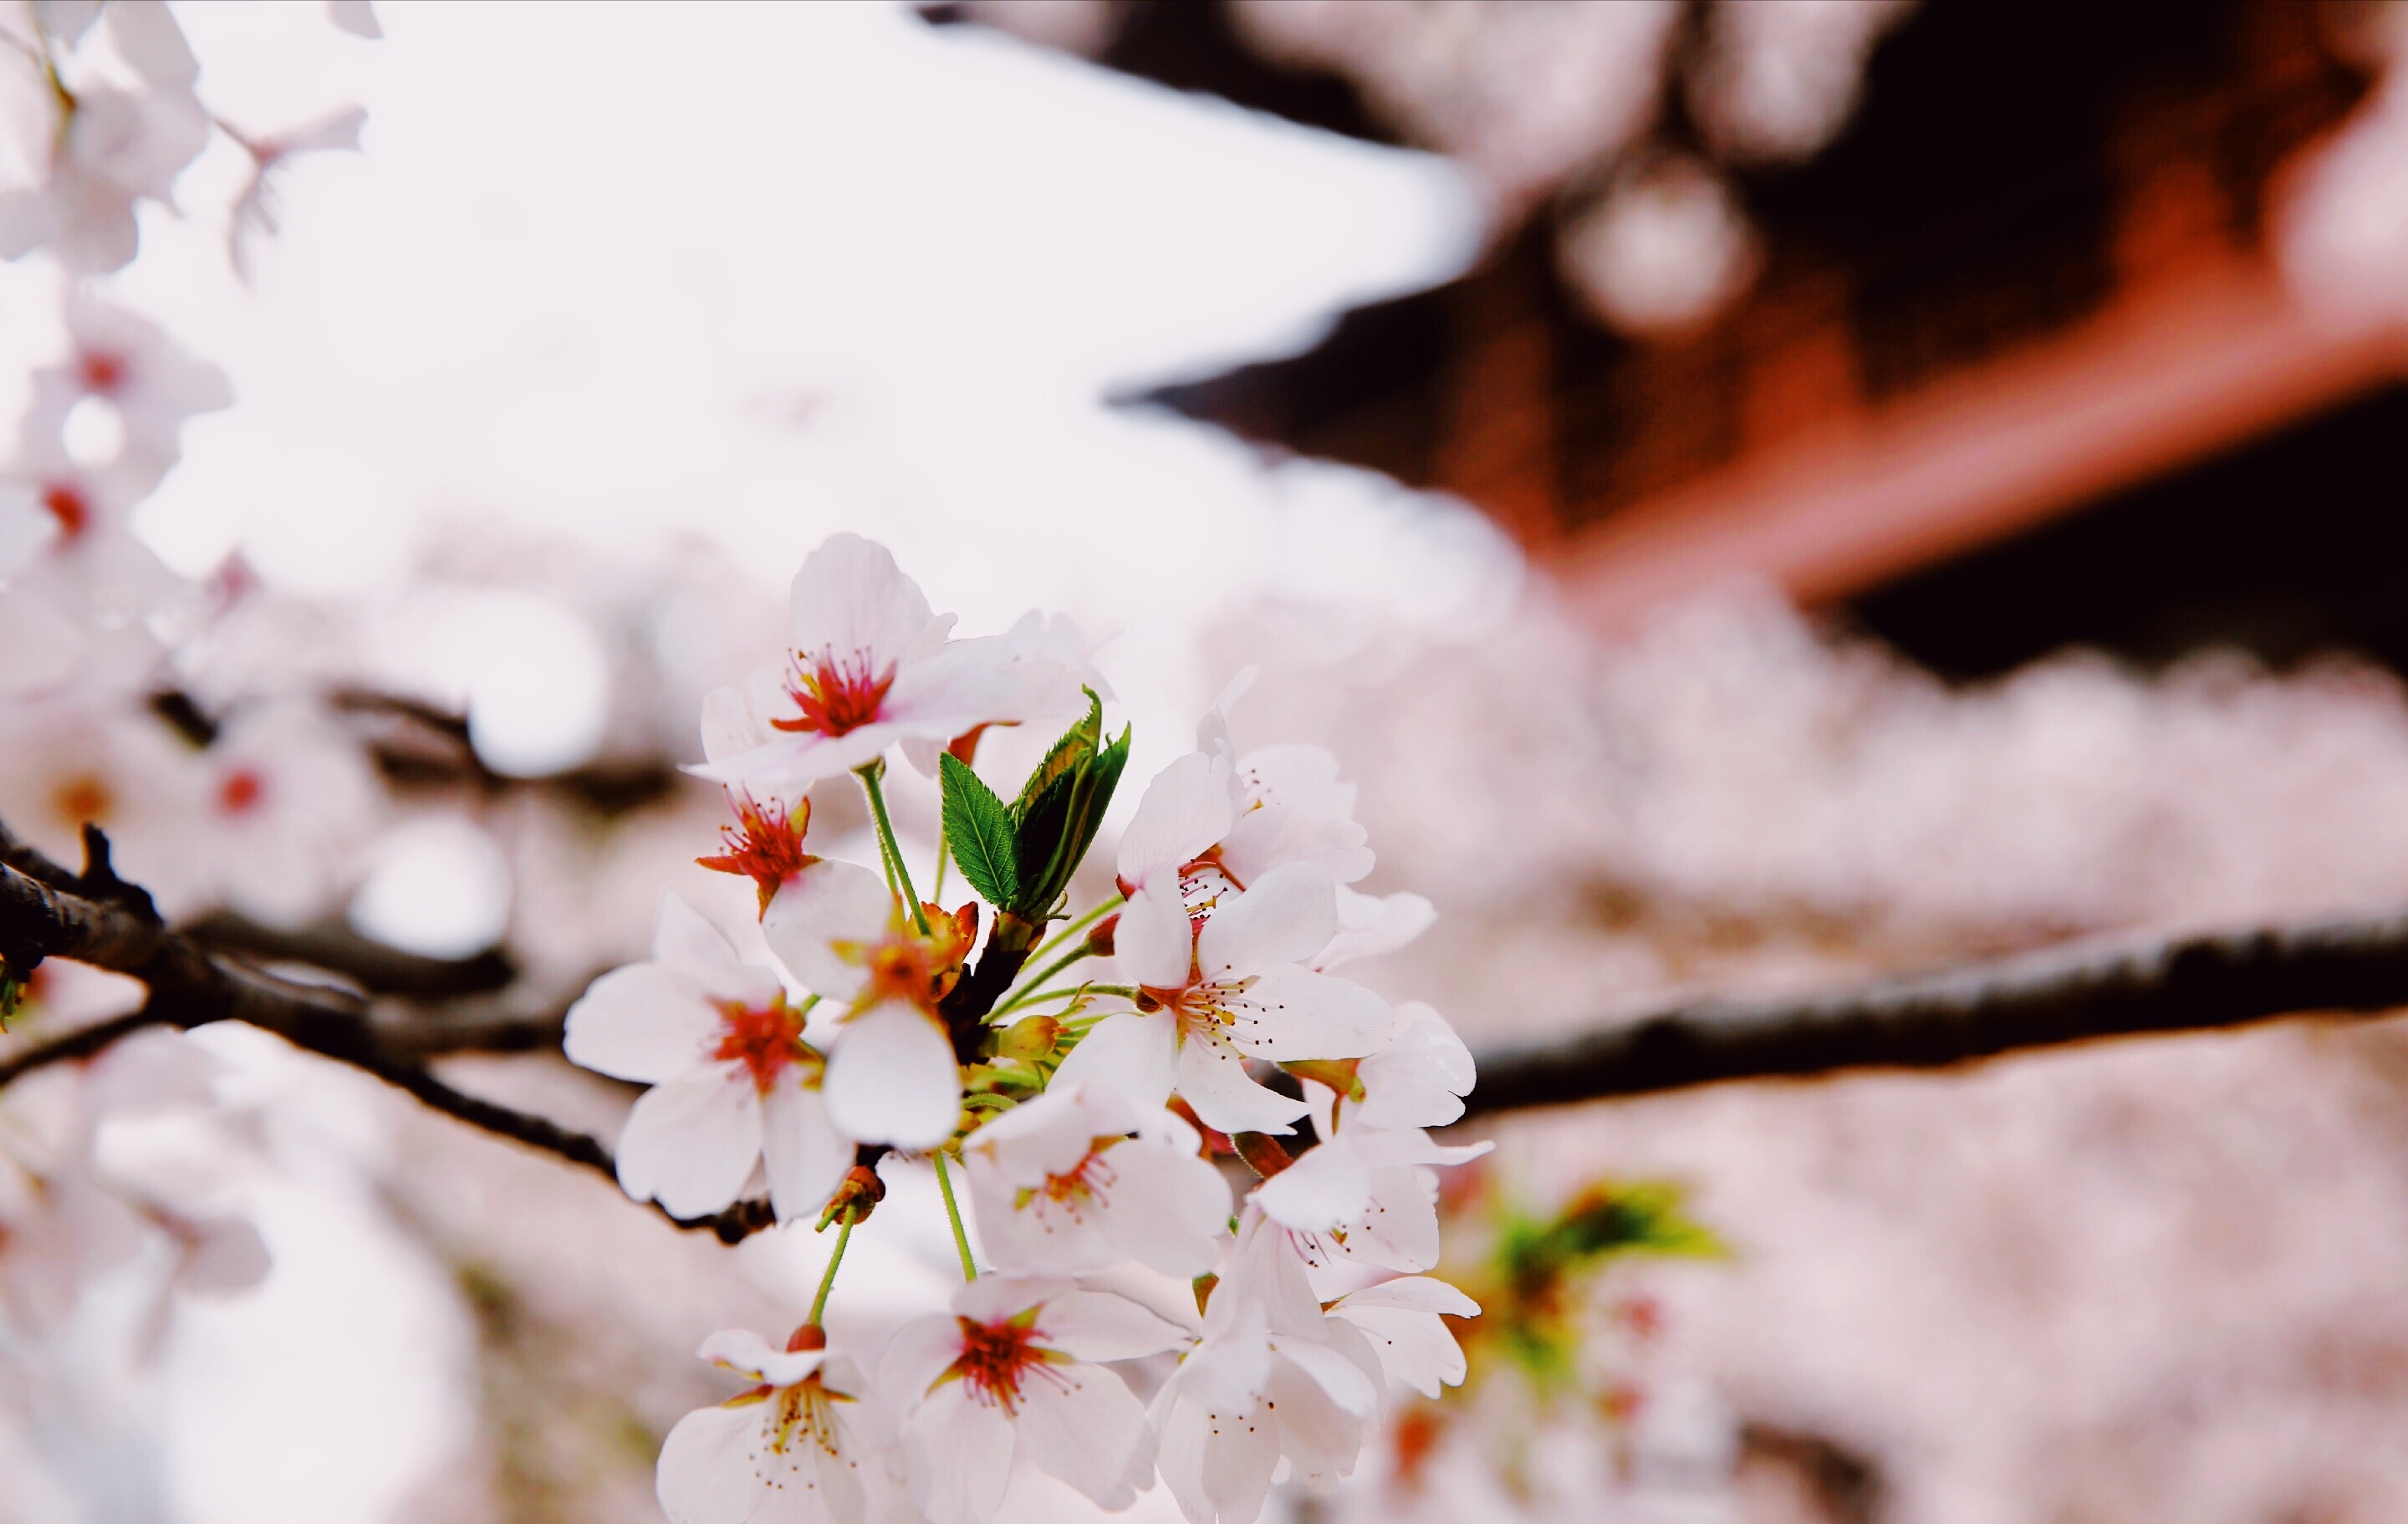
914 969
834 695
766 844
70 507
102 372
997 1356
240 792
1089 1180
803 1409
764 1038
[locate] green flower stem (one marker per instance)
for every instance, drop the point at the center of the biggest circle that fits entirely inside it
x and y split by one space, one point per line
827 1281
944 850
1034 989
868 777
953 1212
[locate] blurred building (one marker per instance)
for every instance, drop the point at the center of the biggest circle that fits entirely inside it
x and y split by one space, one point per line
1997 358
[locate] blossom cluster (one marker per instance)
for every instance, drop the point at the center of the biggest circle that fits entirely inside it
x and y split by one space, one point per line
1098 1120
248 807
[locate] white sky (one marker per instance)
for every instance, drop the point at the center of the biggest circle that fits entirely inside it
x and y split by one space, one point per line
756 271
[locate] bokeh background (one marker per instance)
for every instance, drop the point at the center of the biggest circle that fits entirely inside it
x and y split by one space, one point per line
1759 493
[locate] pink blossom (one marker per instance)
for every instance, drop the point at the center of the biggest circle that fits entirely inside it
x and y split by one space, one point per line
1010 1375
734 1084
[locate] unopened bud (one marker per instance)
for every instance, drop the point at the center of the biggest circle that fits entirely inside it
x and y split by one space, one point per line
1030 1037
1100 940
856 1198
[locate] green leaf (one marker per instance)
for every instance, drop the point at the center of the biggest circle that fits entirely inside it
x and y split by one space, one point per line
1042 828
1078 744
979 830
1102 778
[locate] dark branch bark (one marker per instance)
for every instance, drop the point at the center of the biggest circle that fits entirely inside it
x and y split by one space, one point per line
2062 995
190 986
375 967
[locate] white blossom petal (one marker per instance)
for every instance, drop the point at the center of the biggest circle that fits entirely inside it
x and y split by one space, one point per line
1080 1425
1153 943
640 1023
1134 1054
893 1078
1169 1209
819 915
1289 1012
691 1144
1285 916
1185 810
749 1355
1213 1079
917 1354
806 1156
706 1475
686 943
1420 1078
1099 1326
1369 925
851 599
958 1450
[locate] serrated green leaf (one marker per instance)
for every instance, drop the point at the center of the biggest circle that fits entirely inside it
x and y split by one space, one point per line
979 829
1077 744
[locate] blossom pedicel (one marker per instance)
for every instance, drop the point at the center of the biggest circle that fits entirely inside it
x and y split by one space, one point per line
1087 1111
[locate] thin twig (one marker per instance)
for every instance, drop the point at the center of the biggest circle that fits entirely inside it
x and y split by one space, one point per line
190 986
2072 994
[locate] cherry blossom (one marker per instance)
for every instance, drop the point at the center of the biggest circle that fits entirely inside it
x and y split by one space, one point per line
733 1081
257 214
792 1447
1210 997
1011 1375
130 365
276 809
111 147
1079 1179
1367 1194
871 666
83 550
892 1075
1273 1378
1417 1079
1404 1320
1222 820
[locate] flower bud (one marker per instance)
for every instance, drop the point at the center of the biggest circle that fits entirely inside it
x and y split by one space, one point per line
1100 940
809 1336
1030 1037
856 1198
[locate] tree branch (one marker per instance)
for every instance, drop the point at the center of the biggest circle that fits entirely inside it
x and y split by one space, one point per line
190 986
2060 995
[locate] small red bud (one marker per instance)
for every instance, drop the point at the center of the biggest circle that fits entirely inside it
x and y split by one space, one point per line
809 1336
1100 940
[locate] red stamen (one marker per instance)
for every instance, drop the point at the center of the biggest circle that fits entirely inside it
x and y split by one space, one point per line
996 1356
766 844
835 697
70 507
764 1038
241 791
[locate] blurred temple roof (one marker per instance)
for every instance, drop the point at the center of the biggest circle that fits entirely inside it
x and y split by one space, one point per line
2016 367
